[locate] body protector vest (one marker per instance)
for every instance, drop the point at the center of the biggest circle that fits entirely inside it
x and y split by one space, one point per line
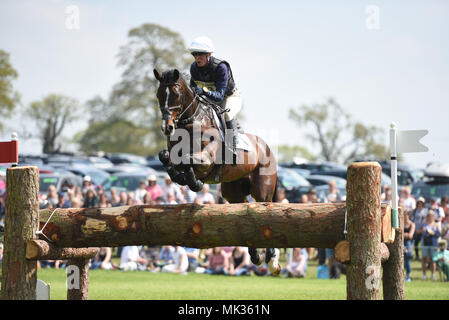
205 77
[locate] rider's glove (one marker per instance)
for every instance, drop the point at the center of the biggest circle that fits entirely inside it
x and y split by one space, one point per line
199 91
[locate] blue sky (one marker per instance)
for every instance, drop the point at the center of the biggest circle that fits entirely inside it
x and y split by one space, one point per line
283 54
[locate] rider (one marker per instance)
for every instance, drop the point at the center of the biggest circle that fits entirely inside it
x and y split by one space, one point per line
213 78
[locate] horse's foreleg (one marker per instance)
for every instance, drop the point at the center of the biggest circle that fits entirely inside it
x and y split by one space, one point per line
255 258
273 263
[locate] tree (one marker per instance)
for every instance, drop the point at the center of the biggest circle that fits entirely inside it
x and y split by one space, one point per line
289 153
8 97
51 115
339 138
132 109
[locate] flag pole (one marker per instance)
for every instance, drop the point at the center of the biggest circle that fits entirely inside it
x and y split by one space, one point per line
394 176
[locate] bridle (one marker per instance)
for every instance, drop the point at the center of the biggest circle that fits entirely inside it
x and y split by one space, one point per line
181 107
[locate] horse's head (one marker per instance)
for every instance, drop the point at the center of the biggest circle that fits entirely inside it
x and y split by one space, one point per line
170 98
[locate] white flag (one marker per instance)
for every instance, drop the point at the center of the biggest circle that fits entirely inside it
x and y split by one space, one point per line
408 141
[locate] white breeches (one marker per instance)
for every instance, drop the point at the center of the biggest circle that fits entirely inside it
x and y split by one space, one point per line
234 103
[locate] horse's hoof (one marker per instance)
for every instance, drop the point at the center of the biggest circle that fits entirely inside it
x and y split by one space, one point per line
164 157
274 267
196 187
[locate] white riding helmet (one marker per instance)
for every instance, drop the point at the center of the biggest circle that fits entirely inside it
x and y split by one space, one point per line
201 44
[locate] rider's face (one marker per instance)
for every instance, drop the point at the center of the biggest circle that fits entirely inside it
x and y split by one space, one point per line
201 59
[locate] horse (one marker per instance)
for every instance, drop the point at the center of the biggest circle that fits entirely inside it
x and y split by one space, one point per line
198 157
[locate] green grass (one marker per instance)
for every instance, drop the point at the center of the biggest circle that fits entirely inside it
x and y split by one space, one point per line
145 285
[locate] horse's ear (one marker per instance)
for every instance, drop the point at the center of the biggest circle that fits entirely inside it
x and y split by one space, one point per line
157 75
176 75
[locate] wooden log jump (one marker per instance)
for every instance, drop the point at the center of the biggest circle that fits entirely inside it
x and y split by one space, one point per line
261 225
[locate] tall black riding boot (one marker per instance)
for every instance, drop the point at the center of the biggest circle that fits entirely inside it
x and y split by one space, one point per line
231 144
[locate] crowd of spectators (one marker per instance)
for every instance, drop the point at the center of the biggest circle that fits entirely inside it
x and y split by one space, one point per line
425 232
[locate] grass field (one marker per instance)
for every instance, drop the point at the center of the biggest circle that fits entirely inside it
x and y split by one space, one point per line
119 285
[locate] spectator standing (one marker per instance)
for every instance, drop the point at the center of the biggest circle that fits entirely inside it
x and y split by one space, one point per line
334 194
311 195
147 198
409 201
104 203
205 196
409 232
140 192
239 261
171 187
386 195
180 262
437 210
131 260
131 199
445 207
217 261
52 196
281 197
419 219
171 199
63 202
430 233
123 199
154 188
296 263
189 195
87 184
91 199
115 199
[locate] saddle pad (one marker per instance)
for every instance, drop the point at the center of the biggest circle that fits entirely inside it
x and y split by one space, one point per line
242 139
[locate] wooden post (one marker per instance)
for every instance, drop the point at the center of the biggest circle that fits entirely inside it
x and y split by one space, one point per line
393 269
77 279
364 230
42 250
21 223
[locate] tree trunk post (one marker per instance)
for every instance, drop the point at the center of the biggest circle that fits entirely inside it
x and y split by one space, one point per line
77 279
393 269
21 223
364 231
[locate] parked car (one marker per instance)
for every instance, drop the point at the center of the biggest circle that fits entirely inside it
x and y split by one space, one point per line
129 181
315 166
119 158
155 163
407 175
385 180
100 162
98 176
65 160
59 179
435 183
319 180
129 167
294 184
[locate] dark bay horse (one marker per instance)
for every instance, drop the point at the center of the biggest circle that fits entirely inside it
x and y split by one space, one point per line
195 155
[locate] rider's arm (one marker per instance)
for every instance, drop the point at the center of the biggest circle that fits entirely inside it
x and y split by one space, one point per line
221 83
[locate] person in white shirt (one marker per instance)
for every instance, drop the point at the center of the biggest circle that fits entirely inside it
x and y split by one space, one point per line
131 260
205 196
180 264
173 188
141 192
409 200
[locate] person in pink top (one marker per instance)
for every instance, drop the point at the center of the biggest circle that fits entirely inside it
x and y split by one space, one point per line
154 188
218 262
